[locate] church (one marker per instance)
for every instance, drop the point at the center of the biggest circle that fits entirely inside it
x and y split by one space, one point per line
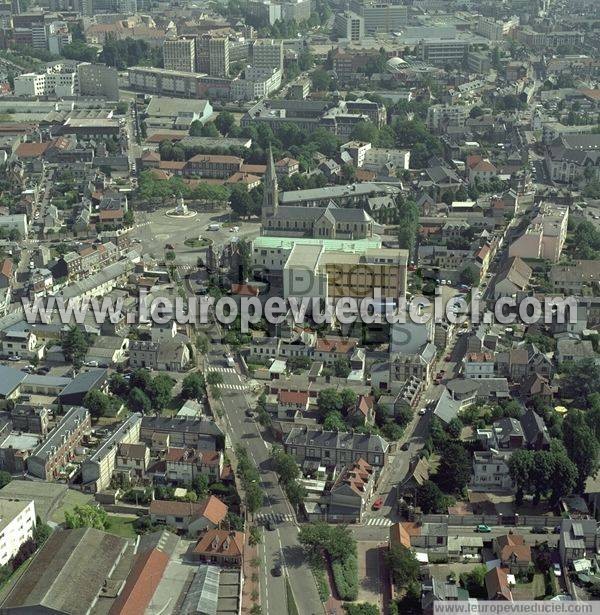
329 222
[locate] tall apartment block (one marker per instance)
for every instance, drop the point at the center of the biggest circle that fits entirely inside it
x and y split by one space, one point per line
180 54
267 54
381 16
218 57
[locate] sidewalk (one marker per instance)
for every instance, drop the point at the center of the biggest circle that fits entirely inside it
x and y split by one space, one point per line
333 606
249 585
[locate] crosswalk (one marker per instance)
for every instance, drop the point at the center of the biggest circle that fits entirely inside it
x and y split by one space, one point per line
223 370
232 387
379 522
274 517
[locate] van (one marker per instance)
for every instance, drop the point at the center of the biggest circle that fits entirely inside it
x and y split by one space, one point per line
214 227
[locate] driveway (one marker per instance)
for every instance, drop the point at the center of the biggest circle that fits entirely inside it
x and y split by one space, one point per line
371 573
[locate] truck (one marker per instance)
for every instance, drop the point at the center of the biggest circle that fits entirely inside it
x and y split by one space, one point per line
214 227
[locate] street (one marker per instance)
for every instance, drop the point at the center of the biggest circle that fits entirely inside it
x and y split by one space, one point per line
280 544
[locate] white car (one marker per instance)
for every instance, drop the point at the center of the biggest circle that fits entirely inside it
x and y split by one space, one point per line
556 569
422 411
14 357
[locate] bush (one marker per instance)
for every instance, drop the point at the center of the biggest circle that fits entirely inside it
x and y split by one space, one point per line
321 581
345 577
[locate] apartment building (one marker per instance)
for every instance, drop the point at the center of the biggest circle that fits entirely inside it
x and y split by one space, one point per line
494 29
17 522
440 117
570 155
218 57
332 448
257 83
214 166
545 235
443 51
180 55
380 16
168 82
479 365
97 471
49 460
52 83
163 432
350 26
267 54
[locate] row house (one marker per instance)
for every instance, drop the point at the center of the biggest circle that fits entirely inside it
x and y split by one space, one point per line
213 166
351 491
51 457
183 465
314 447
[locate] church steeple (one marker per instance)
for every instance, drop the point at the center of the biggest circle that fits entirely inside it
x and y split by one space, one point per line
270 202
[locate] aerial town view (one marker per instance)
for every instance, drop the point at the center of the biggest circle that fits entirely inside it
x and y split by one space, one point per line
299 307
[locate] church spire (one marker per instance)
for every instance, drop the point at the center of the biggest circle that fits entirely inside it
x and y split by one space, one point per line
271 189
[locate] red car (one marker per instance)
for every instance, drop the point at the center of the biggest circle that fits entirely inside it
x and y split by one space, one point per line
378 503
448 358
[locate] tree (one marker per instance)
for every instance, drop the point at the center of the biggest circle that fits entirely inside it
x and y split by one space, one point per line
285 466
192 386
454 471
408 222
581 445
87 516
97 402
200 485
5 478
42 532
321 80
75 346
469 275
431 499
474 581
240 201
224 122
141 379
138 401
363 608
160 391
118 385
328 400
341 367
334 422
255 536
580 381
402 564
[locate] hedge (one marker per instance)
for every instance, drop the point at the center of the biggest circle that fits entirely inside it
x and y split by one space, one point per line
345 577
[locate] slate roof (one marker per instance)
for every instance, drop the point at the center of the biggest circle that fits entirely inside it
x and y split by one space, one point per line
301 436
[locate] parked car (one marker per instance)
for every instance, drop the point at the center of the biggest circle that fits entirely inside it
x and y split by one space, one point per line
539 530
556 569
14 357
249 413
422 411
277 570
378 503
482 528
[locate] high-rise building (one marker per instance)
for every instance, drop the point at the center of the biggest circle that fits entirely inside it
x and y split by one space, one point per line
270 202
218 57
349 25
180 54
381 15
267 54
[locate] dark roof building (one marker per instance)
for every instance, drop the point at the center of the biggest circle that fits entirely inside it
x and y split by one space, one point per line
74 393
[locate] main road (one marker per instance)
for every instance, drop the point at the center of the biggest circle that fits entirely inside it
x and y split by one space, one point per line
280 544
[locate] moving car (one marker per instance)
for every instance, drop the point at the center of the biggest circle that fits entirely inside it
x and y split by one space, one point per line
270 525
277 570
422 411
483 529
378 503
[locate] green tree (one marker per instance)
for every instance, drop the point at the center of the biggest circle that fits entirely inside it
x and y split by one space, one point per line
408 222
141 379
321 80
97 402
582 446
341 367
75 346
5 478
225 122
160 391
200 485
334 422
240 201
192 386
87 516
118 385
285 466
474 581
431 499
328 400
402 564
138 401
454 471
214 378
469 275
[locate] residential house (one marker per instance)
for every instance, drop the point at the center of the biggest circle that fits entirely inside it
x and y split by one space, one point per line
310 447
17 524
479 365
523 361
402 367
86 381
171 355
568 350
506 433
479 169
286 167
7 273
22 344
537 387
107 350
289 403
223 547
189 517
350 493
183 465
330 349
433 591
133 458
578 538
513 552
363 412
431 538
497 586
162 432
535 431
514 277
577 278
490 470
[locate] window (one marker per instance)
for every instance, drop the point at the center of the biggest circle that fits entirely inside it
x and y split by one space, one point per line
178 519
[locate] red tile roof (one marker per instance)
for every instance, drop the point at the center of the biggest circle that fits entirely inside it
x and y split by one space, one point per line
7 268
144 577
221 542
32 150
335 345
293 397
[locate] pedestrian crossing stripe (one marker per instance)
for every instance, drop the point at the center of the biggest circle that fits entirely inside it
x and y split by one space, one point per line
225 370
275 517
379 521
232 387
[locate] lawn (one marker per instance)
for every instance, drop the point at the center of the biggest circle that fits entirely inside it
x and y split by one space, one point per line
122 526
72 498
536 590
